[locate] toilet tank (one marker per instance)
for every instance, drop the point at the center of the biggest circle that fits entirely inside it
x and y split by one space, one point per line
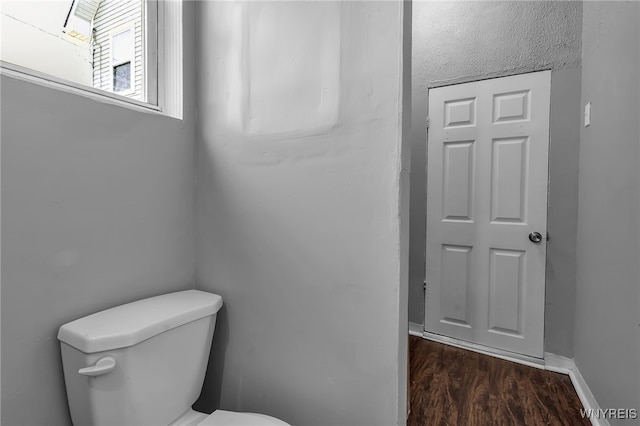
142 363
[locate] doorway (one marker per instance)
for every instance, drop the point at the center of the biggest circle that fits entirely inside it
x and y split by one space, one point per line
487 177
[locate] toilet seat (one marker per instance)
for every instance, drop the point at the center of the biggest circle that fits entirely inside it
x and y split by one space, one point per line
230 418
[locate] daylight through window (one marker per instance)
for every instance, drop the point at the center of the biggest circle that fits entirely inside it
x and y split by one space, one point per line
106 44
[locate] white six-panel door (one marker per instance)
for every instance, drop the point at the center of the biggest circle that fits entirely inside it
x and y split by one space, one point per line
487 169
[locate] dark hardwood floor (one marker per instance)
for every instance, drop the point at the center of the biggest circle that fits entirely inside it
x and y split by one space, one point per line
452 386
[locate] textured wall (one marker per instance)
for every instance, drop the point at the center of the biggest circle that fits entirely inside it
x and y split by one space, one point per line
607 311
97 210
455 42
298 209
464 40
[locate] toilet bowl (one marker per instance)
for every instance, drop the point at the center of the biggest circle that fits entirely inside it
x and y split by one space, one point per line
227 418
144 363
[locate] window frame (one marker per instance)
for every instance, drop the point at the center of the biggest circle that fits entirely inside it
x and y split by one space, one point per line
152 22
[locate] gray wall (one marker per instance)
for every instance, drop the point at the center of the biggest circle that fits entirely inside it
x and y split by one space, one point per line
298 219
455 42
97 210
607 333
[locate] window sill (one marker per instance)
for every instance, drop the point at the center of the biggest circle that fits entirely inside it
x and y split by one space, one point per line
46 80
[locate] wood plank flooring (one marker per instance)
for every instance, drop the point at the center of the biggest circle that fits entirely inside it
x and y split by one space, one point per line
452 386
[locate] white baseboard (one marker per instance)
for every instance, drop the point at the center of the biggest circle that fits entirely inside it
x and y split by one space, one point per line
560 364
497 353
416 329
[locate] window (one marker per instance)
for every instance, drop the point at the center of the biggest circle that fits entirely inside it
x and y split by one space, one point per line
122 77
122 56
109 45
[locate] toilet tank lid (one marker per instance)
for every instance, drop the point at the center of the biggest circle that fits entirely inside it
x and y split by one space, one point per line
127 325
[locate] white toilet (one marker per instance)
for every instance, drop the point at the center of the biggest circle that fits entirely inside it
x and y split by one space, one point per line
144 363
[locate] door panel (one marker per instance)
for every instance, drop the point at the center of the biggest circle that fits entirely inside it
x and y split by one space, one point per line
508 180
458 181
505 288
455 274
486 191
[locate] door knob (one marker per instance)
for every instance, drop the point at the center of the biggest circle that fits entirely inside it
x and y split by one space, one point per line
535 237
